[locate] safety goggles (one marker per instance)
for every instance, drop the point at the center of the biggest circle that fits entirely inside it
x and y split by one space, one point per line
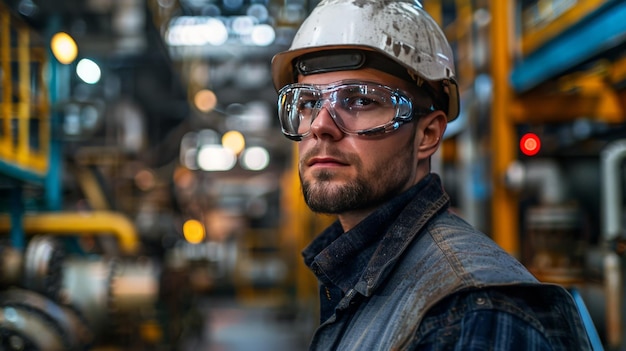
359 108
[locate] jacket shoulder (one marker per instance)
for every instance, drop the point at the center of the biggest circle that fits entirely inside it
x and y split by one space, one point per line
470 254
545 310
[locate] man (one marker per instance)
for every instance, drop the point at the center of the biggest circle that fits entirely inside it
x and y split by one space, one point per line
367 89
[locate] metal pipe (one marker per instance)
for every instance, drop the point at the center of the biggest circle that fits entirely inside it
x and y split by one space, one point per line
79 223
612 290
17 209
543 175
611 158
611 211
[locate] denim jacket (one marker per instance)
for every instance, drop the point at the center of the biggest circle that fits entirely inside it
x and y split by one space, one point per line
382 278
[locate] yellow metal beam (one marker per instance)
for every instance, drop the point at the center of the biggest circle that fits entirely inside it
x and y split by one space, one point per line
7 85
622 99
92 189
504 205
602 105
297 231
435 10
589 94
42 110
23 93
79 224
617 71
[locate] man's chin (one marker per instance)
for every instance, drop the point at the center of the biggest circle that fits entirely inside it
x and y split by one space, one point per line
324 175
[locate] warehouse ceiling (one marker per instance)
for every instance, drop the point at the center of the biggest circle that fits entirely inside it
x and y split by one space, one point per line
156 54
135 43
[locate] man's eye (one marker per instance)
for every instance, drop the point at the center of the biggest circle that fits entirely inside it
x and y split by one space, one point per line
363 101
307 104
360 102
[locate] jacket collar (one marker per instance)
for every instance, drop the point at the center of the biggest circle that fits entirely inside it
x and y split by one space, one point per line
362 257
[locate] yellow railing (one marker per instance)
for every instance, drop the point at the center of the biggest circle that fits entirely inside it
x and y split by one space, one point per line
24 103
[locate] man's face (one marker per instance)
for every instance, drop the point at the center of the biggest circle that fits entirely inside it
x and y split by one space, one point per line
341 173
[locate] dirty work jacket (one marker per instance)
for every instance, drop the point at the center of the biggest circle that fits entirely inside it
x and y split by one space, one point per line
424 255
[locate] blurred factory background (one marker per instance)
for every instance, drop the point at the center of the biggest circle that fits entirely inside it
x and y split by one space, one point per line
149 202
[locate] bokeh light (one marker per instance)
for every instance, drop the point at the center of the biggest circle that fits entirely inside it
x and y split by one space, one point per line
234 141
193 231
64 48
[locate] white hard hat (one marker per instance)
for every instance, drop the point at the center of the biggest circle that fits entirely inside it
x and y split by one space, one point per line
398 30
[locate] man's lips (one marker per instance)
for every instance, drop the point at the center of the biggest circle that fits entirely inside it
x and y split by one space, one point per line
325 161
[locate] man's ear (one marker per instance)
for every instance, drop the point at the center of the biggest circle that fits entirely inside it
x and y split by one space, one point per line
430 132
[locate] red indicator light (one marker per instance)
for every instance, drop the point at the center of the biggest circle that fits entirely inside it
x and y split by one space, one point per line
530 144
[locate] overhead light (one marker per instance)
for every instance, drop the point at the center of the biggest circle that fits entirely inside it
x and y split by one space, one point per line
216 158
27 8
243 25
216 31
263 35
259 11
205 100
255 158
64 48
193 231
196 30
234 140
88 71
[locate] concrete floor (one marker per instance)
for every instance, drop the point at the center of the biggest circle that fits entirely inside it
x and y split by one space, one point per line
231 326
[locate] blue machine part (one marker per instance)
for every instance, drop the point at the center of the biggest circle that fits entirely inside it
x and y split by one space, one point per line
594 338
600 31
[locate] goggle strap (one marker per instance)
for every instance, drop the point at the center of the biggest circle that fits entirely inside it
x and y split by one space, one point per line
346 60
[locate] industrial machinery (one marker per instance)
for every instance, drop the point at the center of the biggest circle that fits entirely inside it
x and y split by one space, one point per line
69 280
51 300
100 246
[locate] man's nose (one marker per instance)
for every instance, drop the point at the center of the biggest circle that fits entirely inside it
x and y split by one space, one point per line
324 124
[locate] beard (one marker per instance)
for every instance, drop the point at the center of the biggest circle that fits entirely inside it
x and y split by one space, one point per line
323 197
369 189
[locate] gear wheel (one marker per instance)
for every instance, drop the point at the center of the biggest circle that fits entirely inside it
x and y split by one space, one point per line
43 266
32 322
